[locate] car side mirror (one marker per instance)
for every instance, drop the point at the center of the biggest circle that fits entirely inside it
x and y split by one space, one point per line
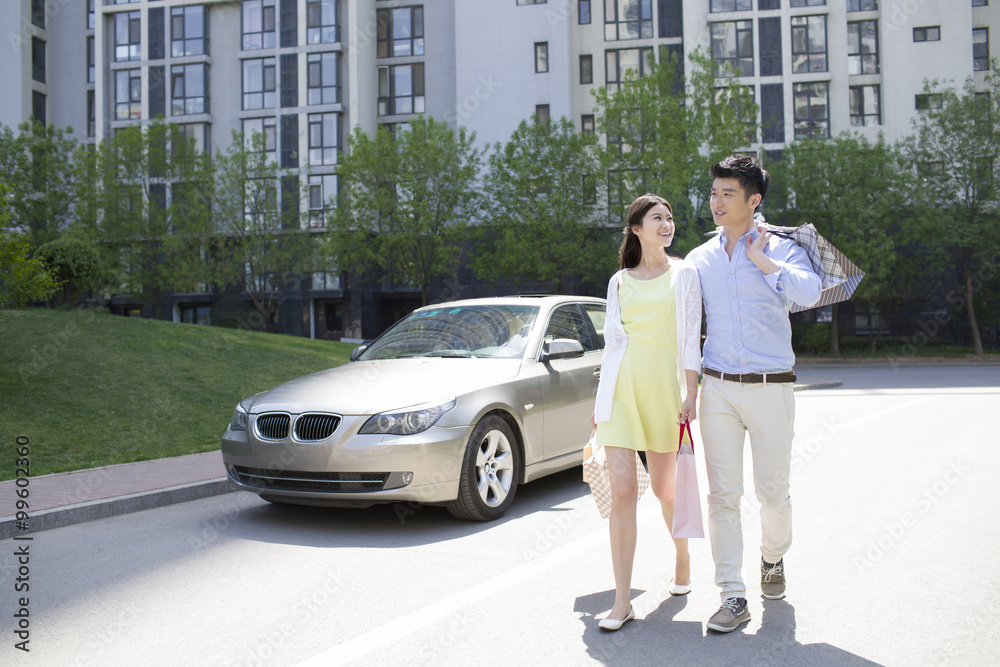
356 352
561 348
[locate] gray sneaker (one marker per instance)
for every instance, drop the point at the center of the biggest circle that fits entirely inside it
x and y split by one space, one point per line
730 616
772 580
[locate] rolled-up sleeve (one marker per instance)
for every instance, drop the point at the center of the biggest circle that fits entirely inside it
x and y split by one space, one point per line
795 280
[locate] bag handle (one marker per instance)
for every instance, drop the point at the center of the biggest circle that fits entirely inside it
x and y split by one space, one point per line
680 440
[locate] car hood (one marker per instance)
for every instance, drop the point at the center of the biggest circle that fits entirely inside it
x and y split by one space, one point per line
369 387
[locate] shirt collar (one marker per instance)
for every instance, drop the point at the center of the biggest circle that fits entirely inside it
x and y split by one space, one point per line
753 234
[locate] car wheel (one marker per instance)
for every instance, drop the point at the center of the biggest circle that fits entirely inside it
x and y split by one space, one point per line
491 471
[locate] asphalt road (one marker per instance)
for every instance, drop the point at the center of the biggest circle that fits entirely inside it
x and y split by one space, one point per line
897 533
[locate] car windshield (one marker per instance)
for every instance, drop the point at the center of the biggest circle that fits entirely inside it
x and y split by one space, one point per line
497 331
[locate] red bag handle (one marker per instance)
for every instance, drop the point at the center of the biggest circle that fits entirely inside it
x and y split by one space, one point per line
680 440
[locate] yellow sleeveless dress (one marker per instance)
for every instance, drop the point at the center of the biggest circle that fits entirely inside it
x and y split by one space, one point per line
647 398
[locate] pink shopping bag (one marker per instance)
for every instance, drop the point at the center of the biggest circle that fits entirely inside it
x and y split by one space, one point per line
687 500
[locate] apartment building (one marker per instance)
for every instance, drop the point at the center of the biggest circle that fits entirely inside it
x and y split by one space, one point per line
305 72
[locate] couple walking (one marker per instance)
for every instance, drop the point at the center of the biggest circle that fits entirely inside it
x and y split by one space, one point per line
747 280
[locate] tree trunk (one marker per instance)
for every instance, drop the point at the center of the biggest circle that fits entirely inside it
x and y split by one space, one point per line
977 341
835 330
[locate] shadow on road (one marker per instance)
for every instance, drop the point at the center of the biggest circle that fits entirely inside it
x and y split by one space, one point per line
388 526
659 639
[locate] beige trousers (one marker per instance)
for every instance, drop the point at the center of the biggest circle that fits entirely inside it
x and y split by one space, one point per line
730 410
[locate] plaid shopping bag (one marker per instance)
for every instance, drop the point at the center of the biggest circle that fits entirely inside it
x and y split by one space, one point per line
595 473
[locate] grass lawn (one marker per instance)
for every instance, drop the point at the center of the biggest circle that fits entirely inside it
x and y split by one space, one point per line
92 389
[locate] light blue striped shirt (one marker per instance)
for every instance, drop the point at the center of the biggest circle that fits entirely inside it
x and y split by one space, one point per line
746 310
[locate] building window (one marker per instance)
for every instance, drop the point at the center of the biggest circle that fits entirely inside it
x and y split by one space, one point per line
980 49
618 64
770 45
587 69
38 13
401 89
768 4
187 31
322 78
260 135
38 60
38 106
400 32
541 57
321 22
91 114
980 3
259 84
192 135
731 5
188 89
807 3
808 44
627 19
324 138
865 106
928 34
772 112
128 36
732 48
587 124
90 14
91 64
583 12
258 24
812 110
322 190
862 47
542 114
924 102
128 94
862 5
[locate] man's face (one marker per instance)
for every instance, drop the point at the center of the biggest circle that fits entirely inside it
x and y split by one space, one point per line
729 203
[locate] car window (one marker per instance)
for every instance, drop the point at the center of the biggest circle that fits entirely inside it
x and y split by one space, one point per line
596 313
494 331
568 322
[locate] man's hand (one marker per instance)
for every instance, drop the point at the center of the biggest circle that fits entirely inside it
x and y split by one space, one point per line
755 252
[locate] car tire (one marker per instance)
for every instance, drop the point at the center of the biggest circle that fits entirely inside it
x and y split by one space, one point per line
491 472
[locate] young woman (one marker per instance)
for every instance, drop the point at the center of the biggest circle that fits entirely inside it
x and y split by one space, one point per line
652 358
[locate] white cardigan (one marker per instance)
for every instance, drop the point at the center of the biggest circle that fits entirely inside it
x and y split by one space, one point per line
687 295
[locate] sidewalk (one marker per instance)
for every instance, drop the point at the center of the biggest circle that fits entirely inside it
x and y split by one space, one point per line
67 498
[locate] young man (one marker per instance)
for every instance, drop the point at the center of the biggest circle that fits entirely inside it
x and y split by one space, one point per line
748 279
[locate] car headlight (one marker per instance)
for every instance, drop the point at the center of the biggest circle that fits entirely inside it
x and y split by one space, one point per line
239 420
408 421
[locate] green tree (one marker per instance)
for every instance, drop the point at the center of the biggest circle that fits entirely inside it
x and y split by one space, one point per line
144 199
857 194
22 277
37 165
955 149
76 266
663 132
262 248
543 222
405 201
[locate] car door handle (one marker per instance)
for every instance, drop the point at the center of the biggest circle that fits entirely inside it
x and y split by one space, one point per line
597 373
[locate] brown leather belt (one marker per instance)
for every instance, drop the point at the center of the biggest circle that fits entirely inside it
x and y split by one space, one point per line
748 378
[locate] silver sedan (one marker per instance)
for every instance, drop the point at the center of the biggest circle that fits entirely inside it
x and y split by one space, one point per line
456 404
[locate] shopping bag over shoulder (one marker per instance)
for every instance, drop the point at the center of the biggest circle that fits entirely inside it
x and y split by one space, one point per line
687 500
595 473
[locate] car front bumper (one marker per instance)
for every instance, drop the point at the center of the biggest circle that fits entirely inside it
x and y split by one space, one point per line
347 468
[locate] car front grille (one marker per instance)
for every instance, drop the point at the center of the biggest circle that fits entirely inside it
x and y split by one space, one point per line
273 426
315 427
299 480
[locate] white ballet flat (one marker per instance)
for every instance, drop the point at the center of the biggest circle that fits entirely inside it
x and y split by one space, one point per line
611 624
678 589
